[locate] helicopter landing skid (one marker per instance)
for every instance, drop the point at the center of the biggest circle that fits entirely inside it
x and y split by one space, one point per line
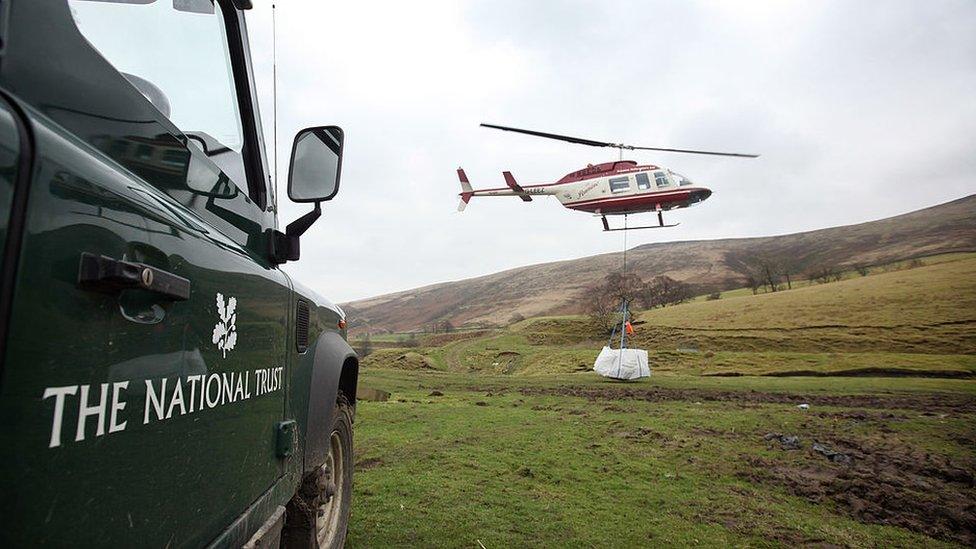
660 225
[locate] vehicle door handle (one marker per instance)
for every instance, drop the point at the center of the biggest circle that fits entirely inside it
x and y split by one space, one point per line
103 274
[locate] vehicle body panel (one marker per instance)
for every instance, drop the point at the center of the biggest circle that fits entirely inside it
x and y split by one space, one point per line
200 465
10 149
146 466
313 381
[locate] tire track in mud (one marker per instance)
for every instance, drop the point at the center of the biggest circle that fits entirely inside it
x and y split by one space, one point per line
884 483
926 402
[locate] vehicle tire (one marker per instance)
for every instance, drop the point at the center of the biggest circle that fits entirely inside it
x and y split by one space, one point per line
318 515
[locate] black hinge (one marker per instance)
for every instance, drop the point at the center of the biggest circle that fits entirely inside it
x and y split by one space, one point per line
301 327
282 248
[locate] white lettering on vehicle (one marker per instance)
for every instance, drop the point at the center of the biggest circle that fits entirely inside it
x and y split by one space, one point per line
165 398
84 410
59 393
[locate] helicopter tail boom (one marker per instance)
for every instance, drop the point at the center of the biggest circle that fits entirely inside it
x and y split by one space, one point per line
512 188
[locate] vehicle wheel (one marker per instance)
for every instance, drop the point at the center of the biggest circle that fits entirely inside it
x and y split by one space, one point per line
318 515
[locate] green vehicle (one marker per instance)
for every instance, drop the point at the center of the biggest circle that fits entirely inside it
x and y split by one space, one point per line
163 382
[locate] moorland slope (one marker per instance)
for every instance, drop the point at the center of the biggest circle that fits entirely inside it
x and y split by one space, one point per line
916 322
709 265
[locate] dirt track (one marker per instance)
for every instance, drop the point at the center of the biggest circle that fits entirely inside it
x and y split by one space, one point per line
924 402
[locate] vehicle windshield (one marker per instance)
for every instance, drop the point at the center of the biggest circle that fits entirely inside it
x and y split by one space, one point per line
175 54
679 179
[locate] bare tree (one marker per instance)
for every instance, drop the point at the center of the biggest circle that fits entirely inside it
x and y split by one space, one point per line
662 290
765 272
601 308
753 283
787 270
603 301
770 276
623 285
823 275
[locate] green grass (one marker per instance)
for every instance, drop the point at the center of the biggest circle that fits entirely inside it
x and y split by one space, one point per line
935 294
491 461
799 281
528 447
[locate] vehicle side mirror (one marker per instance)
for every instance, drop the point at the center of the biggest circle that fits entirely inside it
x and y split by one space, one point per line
316 162
313 176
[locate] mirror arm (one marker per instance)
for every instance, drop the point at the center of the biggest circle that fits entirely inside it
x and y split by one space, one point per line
285 246
298 227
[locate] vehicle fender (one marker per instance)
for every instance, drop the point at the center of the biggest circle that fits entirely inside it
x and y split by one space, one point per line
332 353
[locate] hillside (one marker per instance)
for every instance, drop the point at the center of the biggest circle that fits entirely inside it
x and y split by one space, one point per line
931 310
919 321
710 265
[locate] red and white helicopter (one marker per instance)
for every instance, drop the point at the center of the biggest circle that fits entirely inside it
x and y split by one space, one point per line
612 188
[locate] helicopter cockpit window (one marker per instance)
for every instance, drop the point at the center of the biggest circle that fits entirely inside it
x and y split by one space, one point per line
680 180
643 182
619 184
661 179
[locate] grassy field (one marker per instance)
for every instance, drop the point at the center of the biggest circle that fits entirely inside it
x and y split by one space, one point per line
574 460
505 438
801 282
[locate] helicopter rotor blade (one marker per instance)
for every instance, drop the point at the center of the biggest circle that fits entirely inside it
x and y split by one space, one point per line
688 151
594 143
577 140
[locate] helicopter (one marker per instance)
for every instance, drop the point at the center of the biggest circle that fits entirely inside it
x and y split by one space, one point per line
622 187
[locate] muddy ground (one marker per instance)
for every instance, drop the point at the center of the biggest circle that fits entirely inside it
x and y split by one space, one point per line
882 484
924 402
875 479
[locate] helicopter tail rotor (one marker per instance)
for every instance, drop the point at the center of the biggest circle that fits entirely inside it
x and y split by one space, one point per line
466 191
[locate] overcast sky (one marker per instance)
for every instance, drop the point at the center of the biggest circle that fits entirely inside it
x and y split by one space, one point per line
861 110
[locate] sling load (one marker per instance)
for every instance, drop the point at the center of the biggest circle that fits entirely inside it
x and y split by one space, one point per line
622 363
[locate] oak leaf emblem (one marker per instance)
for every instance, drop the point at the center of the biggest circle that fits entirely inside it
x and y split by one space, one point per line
225 332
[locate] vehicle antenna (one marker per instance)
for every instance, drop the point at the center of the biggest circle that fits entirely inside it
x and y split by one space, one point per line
274 97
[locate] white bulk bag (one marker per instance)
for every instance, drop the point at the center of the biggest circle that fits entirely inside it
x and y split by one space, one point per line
622 363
